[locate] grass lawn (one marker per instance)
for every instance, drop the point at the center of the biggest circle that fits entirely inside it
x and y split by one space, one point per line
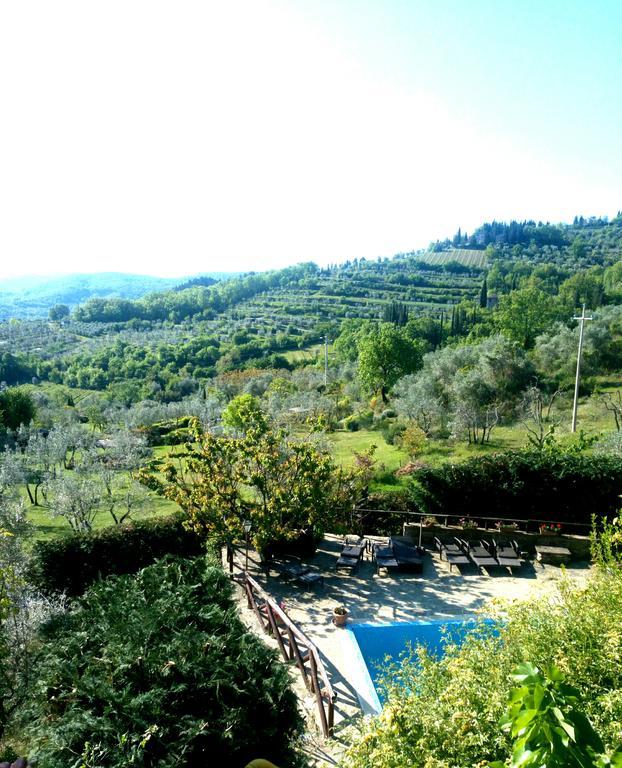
46 526
308 355
345 444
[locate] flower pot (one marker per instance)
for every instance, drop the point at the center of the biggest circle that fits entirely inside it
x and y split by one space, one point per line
339 619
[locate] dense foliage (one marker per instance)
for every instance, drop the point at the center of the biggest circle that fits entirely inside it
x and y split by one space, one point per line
547 725
551 484
16 407
283 486
158 670
71 563
446 713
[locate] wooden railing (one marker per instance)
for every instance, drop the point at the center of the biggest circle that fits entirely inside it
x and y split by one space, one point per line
294 646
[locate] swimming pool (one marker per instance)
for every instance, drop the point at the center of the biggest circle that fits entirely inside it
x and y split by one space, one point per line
368 646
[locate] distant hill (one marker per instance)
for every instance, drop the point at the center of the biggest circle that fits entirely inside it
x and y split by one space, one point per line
33 296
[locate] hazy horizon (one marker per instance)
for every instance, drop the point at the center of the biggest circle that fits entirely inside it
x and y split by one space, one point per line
170 141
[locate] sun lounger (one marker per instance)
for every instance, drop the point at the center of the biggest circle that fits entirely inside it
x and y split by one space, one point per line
383 556
408 556
350 563
480 554
289 569
507 554
444 546
451 552
294 570
351 553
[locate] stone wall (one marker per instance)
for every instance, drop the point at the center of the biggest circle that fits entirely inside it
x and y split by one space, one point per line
527 542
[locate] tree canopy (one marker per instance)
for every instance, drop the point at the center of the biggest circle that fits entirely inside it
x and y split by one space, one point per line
385 356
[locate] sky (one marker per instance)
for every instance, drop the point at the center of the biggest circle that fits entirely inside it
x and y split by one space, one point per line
175 138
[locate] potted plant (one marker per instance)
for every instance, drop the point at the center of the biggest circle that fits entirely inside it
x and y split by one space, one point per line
467 524
340 616
506 527
550 529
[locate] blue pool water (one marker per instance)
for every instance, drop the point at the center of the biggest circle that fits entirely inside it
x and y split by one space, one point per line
373 643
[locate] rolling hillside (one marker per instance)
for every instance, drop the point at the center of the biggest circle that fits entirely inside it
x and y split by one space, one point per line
33 296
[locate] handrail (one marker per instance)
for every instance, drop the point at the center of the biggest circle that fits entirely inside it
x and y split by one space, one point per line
295 646
495 518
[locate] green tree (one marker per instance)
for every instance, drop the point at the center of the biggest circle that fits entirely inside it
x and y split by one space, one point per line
156 669
612 281
16 407
585 287
524 314
58 312
244 413
386 356
483 295
352 333
284 486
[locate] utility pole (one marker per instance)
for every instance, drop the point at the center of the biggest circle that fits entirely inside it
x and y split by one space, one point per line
581 320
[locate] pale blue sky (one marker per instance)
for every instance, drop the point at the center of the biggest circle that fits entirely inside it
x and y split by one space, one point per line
173 138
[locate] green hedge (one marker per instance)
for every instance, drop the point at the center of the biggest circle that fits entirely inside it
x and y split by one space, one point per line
544 485
74 562
157 669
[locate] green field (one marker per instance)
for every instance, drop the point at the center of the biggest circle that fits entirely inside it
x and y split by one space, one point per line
467 256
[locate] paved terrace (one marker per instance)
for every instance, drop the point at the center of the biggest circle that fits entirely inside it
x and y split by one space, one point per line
435 594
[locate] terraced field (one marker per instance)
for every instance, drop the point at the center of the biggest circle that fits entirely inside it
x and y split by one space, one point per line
467 256
364 289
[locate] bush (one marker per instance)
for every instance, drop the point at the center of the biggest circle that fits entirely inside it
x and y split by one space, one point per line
379 517
158 670
74 562
351 423
366 418
442 713
392 431
174 432
550 485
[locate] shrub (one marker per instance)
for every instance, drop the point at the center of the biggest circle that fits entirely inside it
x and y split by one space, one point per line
442 713
158 670
366 418
351 423
551 485
392 431
379 516
72 563
413 440
173 432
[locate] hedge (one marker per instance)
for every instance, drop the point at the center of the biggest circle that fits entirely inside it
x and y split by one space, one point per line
74 562
157 669
540 485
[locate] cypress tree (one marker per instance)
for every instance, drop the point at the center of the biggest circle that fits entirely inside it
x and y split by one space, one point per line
483 295
440 330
